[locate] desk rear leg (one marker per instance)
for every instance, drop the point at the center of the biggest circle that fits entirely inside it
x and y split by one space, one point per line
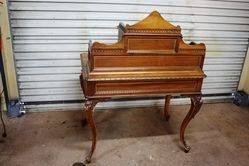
83 120
89 110
196 104
166 107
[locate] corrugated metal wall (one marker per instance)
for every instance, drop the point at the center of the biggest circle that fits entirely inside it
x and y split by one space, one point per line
49 36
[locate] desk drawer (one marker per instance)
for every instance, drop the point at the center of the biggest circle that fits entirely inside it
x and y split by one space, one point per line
152 87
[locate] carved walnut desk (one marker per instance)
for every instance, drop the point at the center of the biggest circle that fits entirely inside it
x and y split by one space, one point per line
150 59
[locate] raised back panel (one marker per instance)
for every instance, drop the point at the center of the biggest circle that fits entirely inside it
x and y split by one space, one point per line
152 42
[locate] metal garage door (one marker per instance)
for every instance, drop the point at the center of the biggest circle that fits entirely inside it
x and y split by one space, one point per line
49 35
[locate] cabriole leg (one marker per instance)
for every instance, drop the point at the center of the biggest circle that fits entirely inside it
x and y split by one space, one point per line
89 110
83 120
166 107
194 108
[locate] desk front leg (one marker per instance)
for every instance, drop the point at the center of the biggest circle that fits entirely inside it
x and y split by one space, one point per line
89 110
196 104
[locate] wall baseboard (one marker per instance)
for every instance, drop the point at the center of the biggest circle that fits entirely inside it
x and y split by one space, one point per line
124 104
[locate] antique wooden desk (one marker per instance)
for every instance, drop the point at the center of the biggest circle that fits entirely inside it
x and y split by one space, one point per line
150 59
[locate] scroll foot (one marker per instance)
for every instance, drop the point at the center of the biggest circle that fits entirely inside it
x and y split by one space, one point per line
88 159
166 107
89 109
186 147
196 104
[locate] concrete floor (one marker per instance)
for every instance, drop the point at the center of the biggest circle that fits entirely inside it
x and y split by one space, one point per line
219 135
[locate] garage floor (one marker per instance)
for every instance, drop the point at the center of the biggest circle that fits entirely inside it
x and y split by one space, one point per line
219 135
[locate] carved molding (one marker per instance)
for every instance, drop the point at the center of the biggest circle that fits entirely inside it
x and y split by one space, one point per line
191 51
108 51
145 78
111 92
165 31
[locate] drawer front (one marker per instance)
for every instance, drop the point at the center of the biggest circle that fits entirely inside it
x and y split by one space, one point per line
153 87
146 61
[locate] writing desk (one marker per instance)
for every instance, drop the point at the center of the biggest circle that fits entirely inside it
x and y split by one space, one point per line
150 59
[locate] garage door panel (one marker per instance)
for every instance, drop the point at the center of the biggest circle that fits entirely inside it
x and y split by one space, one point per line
48 37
